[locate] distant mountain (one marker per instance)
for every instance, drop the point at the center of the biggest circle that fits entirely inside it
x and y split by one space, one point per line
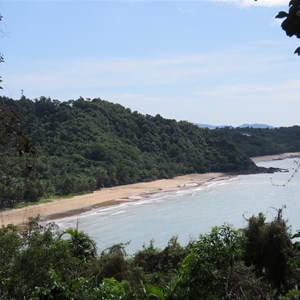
255 126
208 126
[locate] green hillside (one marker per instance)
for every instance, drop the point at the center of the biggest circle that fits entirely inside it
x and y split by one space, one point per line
84 145
262 141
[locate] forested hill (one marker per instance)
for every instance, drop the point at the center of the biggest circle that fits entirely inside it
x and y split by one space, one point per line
262 141
84 145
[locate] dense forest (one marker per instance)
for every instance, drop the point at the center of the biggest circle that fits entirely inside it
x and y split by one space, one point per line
262 141
83 145
260 261
49 147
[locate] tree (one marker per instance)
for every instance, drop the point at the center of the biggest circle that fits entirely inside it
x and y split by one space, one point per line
10 244
27 257
81 245
12 131
268 249
291 22
207 270
18 180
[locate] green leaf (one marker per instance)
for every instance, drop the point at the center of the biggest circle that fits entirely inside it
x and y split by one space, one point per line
155 291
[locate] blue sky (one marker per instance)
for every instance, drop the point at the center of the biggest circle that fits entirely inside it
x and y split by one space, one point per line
214 61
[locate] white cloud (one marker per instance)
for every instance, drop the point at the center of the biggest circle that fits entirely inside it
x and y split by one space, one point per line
216 87
285 92
162 75
117 72
247 3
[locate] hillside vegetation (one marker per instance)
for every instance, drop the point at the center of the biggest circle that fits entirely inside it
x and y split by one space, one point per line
262 141
84 145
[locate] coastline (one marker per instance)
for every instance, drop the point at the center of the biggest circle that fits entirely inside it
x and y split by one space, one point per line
60 208
276 156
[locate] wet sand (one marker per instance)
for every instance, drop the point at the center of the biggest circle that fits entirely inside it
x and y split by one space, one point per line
113 196
276 157
105 197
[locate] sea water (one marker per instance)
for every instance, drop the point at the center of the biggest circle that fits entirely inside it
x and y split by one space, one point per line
190 212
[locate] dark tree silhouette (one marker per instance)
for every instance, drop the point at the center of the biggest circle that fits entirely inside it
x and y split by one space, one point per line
291 22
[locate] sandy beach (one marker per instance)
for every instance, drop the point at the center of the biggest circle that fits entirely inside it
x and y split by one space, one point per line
113 196
276 157
107 196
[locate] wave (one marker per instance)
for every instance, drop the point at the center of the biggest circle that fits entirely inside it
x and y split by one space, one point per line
146 199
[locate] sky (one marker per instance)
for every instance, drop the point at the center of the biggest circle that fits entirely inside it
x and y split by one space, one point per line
221 62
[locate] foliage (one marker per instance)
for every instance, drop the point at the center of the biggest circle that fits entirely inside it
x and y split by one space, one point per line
81 244
153 260
113 263
10 244
82 288
268 249
17 156
113 289
166 293
291 22
85 145
262 141
291 295
12 133
37 263
207 269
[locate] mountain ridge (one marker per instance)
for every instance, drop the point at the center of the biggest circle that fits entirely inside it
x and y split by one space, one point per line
84 145
255 125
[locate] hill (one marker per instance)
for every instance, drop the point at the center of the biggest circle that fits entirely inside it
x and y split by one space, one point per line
255 126
262 141
83 145
212 127
209 126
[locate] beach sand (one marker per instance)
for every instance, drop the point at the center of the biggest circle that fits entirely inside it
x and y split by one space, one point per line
276 157
57 209
105 197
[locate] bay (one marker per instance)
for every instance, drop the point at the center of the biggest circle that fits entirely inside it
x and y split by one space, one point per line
188 213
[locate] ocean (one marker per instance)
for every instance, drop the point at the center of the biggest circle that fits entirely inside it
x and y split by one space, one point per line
190 212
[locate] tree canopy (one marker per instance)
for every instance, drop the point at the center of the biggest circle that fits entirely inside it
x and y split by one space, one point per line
260 261
262 141
83 145
291 22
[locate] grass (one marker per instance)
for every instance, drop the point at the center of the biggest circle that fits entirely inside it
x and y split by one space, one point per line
47 200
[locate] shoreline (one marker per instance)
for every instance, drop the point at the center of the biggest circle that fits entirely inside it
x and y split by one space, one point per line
61 208
275 156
